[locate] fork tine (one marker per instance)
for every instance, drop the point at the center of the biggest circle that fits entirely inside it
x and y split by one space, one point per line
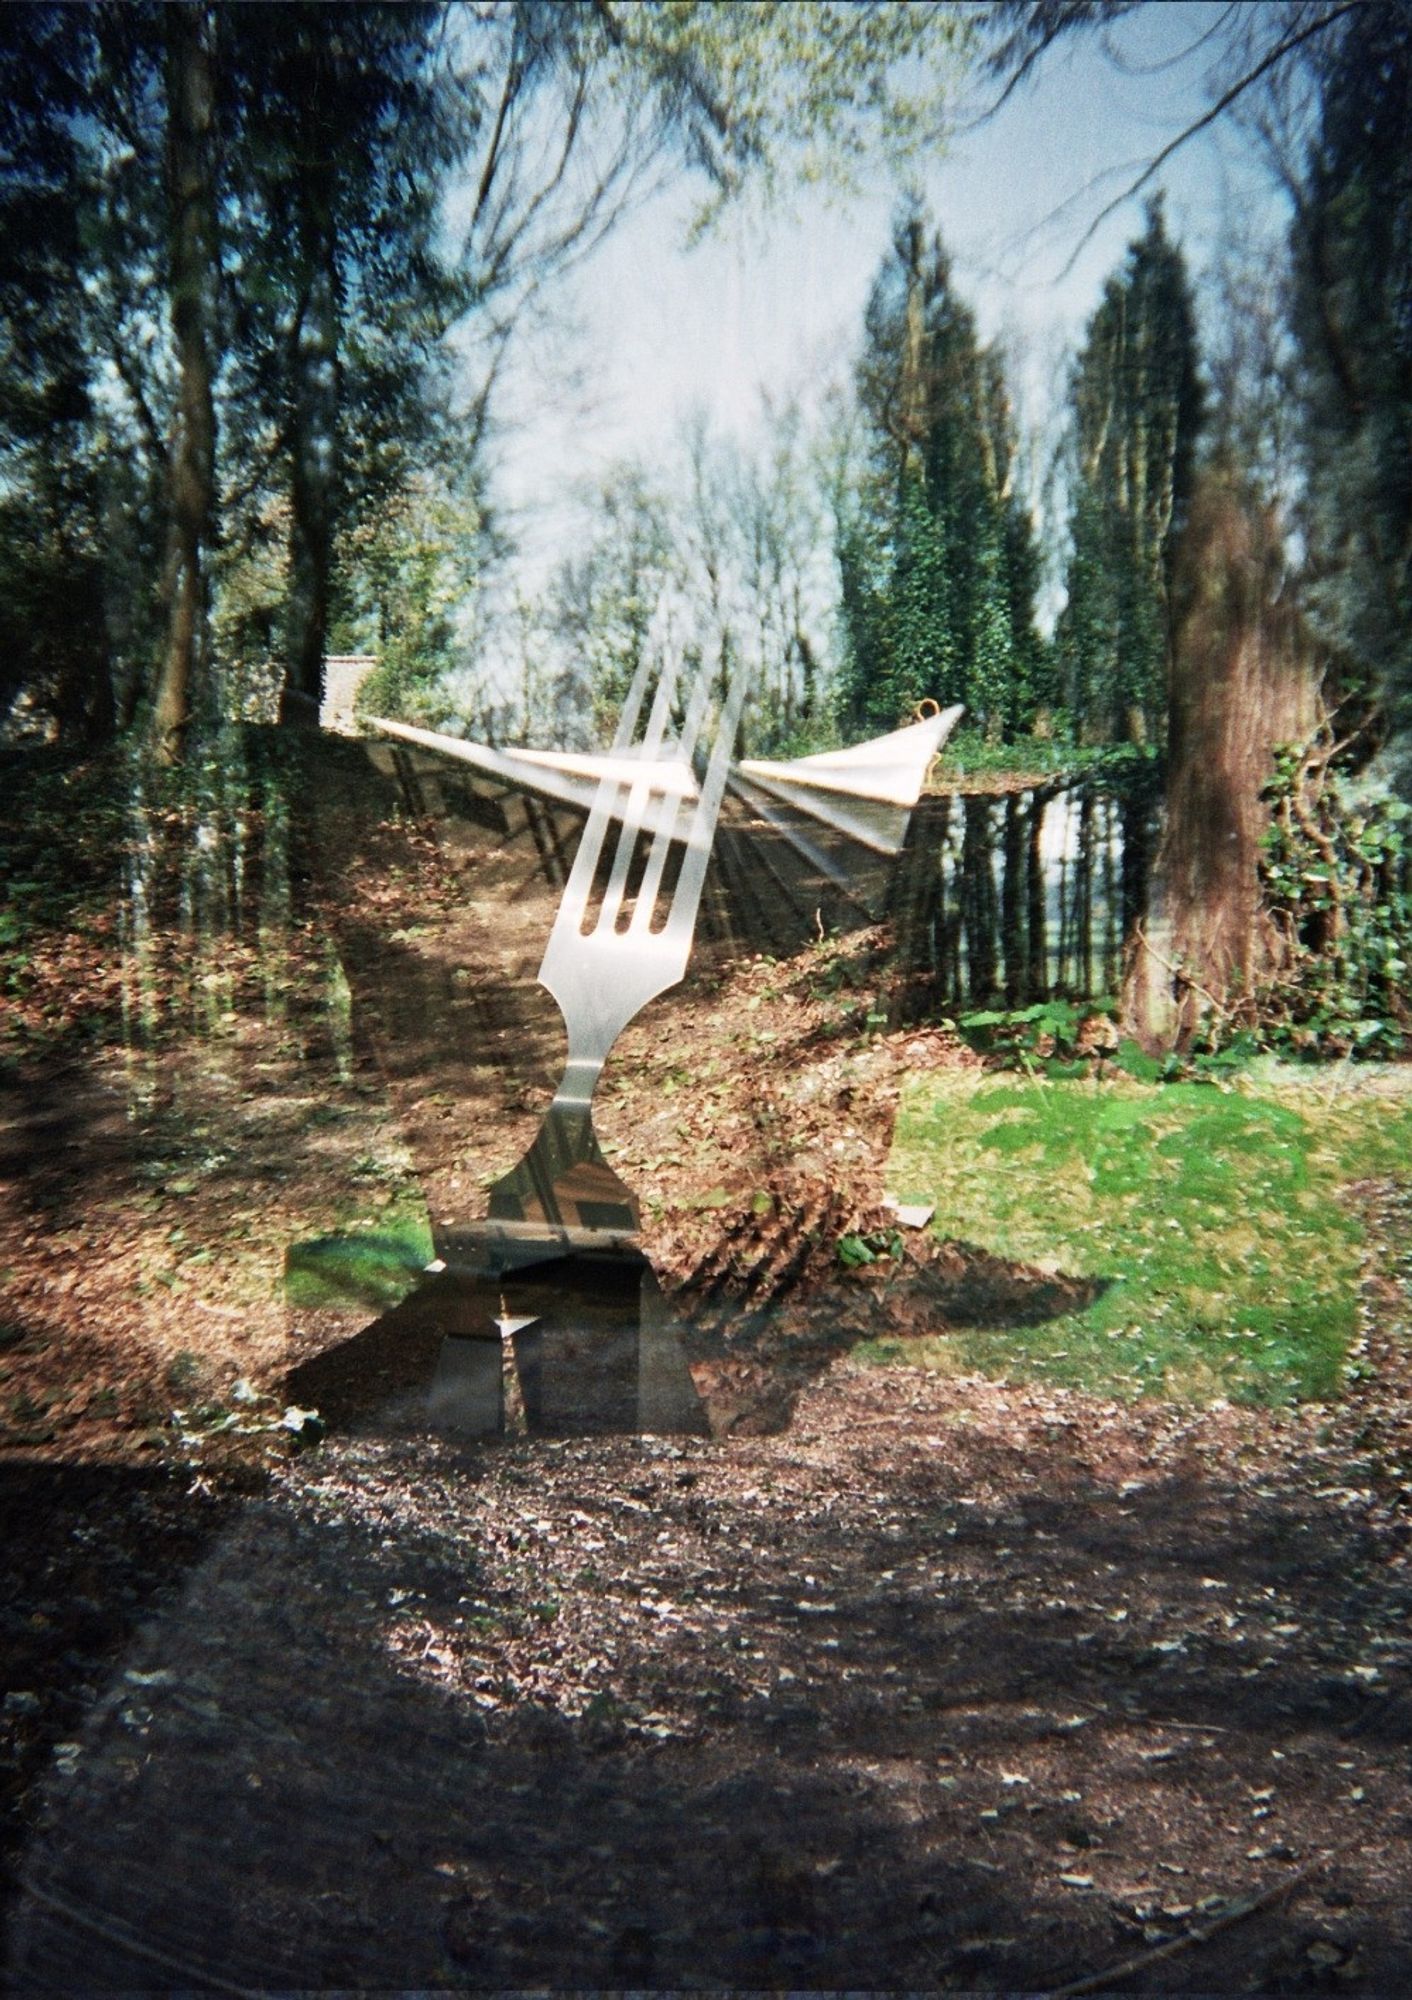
669 821
681 919
639 801
574 901
632 704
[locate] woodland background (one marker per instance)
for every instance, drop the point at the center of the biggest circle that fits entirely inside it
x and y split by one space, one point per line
260 271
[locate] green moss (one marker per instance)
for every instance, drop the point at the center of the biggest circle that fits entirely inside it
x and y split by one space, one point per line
1211 1220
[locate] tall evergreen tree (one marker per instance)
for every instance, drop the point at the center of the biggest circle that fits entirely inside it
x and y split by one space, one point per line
1352 255
1136 409
936 560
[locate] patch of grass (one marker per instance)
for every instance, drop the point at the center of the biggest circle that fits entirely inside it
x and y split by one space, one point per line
370 1267
1212 1217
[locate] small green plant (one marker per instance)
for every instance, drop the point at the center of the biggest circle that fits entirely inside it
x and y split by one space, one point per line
856 1251
183 1371
359 1267
1050 1031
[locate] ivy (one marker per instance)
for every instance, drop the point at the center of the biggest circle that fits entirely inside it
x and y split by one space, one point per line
1337 877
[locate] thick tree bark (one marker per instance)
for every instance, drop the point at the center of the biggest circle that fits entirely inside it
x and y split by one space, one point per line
1242 684
192 248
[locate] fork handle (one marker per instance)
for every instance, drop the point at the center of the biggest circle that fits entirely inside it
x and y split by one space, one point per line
564 1180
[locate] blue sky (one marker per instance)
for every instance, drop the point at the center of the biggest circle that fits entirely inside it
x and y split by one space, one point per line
775 303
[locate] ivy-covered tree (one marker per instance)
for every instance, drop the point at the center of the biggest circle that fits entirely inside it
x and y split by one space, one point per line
936 553
1136 408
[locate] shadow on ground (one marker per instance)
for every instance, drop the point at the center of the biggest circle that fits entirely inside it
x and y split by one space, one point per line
87 1555
934 1708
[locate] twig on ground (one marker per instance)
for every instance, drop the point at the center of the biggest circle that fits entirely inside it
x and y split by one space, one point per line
854 1424
1244 1906
1196 1728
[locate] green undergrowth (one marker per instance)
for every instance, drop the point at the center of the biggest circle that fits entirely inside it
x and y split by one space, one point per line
1212 1221
971 753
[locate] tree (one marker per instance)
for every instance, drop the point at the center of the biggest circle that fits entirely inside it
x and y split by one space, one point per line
721 558
53 639
193 279
767 94
1247 667
936 555
1242 686
1250 52
1352 317
279 212
340 142
555 116
1136 407
604 601
403 575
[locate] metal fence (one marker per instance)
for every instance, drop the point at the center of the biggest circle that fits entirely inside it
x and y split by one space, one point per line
1007 898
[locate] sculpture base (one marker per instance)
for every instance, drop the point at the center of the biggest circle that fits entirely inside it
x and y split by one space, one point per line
582 1329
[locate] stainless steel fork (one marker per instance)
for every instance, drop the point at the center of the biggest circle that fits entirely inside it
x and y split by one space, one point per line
603 967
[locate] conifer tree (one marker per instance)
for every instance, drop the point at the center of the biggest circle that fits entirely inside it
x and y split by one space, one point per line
936 560
1136 408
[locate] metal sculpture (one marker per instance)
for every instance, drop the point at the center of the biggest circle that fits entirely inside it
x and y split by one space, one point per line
554 1272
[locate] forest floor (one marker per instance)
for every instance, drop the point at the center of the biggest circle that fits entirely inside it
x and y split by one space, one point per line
900 1679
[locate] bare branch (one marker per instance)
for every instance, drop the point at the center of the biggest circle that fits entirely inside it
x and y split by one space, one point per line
1231 95
515 72
1126 68
122 360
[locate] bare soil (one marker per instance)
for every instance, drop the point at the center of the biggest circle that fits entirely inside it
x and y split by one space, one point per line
898 1680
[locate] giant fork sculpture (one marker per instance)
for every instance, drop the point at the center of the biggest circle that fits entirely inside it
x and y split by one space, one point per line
555 1265
576 1295
602 973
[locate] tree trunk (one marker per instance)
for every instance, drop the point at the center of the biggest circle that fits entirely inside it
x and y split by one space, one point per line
314 455
1242 684
193 277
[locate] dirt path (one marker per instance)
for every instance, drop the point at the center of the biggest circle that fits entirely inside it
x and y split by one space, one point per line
897 1681
949 1686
